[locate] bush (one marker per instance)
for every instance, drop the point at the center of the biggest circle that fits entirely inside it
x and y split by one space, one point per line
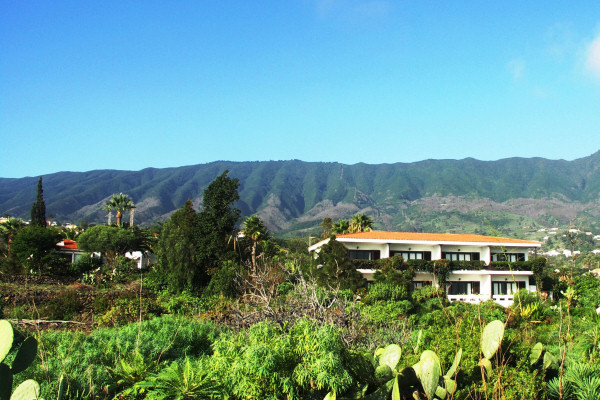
222 281
84 264
123 267
183 303
384 312
126 309
284 288
101 304
65 306
426 293
587 288
385 291
92 361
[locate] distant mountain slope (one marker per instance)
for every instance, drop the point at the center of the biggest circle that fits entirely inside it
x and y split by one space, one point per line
293 195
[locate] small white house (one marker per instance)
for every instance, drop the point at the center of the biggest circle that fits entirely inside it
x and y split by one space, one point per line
462 285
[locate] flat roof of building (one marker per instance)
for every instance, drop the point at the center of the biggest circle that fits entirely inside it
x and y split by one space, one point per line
429 238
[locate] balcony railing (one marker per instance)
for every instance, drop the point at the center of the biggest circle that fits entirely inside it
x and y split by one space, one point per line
469 298
504 300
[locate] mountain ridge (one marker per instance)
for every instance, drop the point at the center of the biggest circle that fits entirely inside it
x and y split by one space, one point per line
294 195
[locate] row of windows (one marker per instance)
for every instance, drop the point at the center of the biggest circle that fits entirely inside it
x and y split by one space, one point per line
364 254
473 287
426 255
456 256
510 257
412 255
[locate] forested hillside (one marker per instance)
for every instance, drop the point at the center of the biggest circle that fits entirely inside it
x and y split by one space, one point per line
292 196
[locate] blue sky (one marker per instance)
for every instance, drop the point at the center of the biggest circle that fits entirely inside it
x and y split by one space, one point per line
134 84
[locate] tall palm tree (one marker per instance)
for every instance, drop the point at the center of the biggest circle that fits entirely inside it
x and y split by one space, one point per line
256 231
341 226
119 203
360 223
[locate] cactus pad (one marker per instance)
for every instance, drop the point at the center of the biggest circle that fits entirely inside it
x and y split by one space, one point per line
390 356
491 338
430 372
6 338
28 390
536 353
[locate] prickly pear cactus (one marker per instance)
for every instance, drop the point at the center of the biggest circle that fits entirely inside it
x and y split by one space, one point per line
430 372
487 364
383 373
6 338
455 364
450 385
390 356
28 390
536 353
25 356
491 338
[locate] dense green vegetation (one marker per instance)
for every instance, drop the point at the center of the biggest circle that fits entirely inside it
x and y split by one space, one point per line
230 316
313 341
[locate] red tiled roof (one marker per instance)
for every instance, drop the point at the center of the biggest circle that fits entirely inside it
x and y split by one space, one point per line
432 237
68 244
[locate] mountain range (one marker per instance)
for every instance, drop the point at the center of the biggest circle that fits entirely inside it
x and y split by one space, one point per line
293 197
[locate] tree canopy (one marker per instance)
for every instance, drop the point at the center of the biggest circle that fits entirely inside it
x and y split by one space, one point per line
360 223
119 203
33 243
218 219
178 251
111 241
335 269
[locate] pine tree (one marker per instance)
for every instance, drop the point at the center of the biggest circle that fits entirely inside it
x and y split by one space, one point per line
38 209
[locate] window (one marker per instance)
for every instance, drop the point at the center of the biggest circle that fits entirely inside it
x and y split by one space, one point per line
504 288
419 284
466 287
457 256
510 257
412 255
363 254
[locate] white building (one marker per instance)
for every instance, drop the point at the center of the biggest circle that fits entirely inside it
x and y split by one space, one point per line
462 285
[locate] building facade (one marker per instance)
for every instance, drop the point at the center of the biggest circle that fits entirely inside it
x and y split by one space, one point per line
472 286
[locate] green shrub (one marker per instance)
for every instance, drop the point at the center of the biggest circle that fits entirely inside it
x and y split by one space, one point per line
222 281
386 291
382 313
92 362
126 309
84 264
183 303
101 304
258 364
426 293
284 288
587 288
64 306
186 379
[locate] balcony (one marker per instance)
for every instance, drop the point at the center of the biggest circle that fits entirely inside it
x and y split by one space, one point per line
505 300
468 298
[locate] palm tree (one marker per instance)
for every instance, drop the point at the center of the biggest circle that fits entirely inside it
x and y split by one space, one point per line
341 226
120 203
256 231
360 223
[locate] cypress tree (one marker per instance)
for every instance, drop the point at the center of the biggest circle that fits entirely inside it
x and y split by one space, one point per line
38 209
